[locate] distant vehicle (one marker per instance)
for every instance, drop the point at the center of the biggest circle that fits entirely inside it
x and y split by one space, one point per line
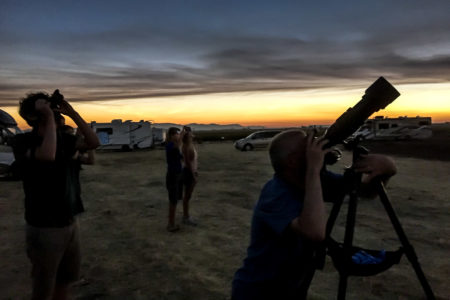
407 132
402 128
258 139
6 162
124 135
8 129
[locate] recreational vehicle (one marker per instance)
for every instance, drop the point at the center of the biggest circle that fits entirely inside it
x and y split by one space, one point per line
402 128
159 135
125 135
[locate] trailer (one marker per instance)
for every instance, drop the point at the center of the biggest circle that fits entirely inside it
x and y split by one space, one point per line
401 128
125 135
159 135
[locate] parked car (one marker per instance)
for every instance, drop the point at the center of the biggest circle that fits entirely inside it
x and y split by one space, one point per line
7 166
8 129
258 139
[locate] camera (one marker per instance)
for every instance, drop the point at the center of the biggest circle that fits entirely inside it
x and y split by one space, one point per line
55 99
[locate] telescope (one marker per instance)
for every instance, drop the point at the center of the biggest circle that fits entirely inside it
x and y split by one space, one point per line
377 96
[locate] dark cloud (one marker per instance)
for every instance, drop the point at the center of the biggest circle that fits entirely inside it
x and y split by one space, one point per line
254 49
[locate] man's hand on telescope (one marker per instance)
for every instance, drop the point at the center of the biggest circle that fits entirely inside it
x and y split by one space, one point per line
375 165
314 152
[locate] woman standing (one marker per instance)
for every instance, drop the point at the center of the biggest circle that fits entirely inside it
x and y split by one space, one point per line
174 178
190 174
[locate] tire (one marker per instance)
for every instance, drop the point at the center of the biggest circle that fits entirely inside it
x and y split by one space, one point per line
15 171
126 148
248 147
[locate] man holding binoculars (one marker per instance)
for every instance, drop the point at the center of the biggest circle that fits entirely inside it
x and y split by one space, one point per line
46 158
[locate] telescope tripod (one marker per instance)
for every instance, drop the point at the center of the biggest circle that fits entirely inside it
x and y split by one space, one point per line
346 249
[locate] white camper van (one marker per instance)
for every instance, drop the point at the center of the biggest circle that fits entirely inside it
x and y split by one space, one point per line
125 135
401 128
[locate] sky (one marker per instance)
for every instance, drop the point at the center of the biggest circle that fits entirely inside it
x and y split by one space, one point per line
272 63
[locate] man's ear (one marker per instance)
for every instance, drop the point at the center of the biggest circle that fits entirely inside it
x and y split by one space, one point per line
296 161
292 161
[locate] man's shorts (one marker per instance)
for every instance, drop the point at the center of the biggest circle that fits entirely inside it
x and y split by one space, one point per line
174 184
55 257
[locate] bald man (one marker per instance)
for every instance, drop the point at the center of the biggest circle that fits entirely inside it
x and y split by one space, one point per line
290 218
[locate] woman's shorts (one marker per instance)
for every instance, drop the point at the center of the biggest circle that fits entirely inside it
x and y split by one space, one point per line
188 177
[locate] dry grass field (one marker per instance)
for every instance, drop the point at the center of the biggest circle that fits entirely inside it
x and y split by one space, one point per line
128 254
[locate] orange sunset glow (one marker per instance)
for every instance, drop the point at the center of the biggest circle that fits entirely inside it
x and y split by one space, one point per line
270 109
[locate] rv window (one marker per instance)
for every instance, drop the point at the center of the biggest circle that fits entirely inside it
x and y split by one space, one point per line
394 125
422 123
383 126
107 130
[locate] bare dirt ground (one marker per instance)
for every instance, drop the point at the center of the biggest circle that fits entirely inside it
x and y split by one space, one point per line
127 253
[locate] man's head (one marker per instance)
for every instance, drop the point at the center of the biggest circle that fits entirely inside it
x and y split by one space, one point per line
27 109
173 134
287 152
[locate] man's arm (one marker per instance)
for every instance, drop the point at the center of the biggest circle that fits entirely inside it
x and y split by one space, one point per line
374 167
311 223
188 156
90 140
88 158
46 151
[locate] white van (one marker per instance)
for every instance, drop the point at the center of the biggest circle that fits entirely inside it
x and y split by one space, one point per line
258 139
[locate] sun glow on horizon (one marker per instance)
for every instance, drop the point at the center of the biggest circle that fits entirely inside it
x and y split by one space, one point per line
266 108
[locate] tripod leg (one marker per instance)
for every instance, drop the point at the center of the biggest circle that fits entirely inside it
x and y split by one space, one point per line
342 287
351 219
333 216
408 248
348 240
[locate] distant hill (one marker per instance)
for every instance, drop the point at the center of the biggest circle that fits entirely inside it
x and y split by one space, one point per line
205 127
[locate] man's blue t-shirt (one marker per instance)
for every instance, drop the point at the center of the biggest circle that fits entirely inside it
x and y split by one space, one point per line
276 256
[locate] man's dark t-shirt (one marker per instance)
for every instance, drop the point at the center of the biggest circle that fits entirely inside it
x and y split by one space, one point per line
51 191
173 157
277 258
